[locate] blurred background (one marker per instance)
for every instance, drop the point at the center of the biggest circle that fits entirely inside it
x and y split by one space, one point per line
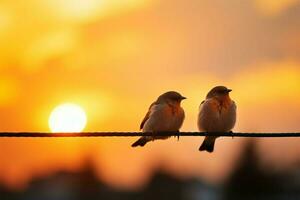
110 59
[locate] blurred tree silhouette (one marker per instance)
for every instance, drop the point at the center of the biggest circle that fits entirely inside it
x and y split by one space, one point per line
250 181
84 184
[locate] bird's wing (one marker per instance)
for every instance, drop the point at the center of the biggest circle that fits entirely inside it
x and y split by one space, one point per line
201 105
208 115
147 116
209 107
233 111
234 105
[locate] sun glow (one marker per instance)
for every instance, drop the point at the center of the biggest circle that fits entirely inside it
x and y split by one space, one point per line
67 118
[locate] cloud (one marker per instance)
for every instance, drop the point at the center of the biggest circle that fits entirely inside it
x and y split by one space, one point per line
274 8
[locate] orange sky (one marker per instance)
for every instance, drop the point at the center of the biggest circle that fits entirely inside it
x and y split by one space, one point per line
114 57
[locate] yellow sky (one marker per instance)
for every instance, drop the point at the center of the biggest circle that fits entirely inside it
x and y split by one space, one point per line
113 58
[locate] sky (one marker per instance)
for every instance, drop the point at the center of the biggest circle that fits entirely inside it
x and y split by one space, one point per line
115 57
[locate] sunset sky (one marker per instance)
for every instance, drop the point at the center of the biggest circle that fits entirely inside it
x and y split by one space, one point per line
114 57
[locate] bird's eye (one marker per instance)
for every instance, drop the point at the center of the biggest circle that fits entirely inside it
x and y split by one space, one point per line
222 92
175 99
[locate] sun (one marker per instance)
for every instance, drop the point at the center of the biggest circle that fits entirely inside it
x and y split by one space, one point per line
67 117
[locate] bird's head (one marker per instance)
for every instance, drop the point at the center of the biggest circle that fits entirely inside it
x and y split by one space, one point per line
218 92
171 97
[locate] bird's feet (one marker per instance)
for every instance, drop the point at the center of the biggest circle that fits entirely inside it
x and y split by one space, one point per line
177 135
153 135
232 134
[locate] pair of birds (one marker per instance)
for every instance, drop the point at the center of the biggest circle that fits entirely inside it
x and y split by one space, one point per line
217 113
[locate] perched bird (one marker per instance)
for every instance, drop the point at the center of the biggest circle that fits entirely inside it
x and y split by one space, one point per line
217 113
165 114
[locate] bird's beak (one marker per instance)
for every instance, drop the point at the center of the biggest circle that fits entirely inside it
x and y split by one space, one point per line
182 98
229 90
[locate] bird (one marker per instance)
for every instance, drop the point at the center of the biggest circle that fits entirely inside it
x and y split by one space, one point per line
165 114
217 113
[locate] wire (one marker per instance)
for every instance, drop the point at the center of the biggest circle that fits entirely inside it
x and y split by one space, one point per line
136 134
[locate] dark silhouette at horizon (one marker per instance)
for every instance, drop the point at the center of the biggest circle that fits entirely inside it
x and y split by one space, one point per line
249 180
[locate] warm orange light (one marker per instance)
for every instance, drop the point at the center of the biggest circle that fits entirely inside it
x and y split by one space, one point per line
273 8
67 118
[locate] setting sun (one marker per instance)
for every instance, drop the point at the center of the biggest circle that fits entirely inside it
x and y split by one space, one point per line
67 118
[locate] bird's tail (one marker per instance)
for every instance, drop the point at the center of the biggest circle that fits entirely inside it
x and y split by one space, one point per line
208 144
140 142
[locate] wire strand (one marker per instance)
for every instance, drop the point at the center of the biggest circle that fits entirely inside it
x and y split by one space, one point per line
137 134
